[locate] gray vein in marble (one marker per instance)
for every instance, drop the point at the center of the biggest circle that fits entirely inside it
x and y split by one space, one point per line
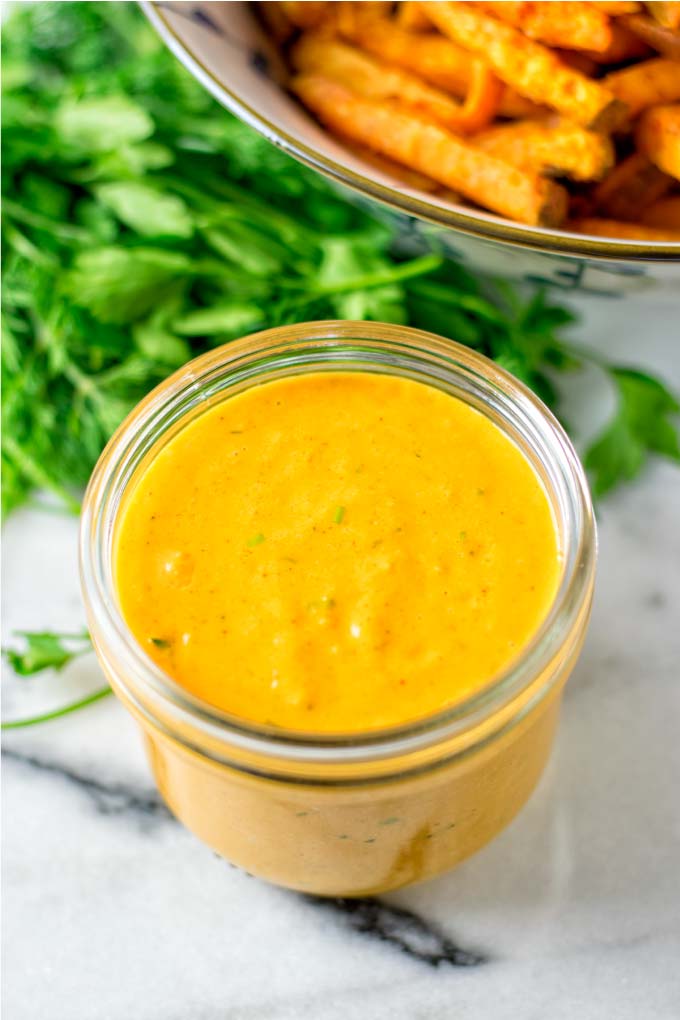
108 798
403 929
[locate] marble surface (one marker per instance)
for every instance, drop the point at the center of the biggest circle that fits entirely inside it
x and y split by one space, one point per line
113 911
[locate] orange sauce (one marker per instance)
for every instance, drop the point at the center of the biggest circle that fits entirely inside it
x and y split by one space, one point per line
336 552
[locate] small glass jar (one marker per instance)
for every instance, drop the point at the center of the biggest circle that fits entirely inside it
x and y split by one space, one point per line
346 815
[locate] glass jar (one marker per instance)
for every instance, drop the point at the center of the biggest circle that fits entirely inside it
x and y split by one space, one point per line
346 815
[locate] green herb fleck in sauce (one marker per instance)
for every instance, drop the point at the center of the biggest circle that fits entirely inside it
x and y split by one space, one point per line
256 540
339 514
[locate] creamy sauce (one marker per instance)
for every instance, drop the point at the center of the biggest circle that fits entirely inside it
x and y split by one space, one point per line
336 552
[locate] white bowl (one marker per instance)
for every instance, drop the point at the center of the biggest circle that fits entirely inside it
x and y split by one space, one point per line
224 47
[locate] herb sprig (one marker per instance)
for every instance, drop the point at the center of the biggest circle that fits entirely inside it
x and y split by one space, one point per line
46 650
49 650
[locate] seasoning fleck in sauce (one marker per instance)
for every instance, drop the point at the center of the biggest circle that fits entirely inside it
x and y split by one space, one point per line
336 552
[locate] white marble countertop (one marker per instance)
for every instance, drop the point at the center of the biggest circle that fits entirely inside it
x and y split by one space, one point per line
112 911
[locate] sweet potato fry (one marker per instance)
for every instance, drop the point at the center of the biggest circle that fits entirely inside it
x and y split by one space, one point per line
482 101
433 151
410 17
664 40
631 186
614 8
561 150
667 14
438 61
574 25
622 230
345 16
649 83
580 61
411 178
370 78
658 137
277 22
304 15
624 45
528 66
514 106
664 214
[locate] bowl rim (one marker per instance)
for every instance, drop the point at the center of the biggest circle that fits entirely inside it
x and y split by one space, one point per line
538 239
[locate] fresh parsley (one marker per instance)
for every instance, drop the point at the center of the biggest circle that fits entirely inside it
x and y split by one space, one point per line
642 423
46 650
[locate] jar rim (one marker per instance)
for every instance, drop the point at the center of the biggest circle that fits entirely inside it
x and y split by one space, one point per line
320 344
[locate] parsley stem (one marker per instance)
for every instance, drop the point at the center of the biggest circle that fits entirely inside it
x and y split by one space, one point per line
404 271
65 231
47 716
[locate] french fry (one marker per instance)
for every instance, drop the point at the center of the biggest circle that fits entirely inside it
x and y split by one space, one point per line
614 8
624 45
433 151
664 214
664 40
667 14
482 101
304 15
411 178
514 105
410 17
581 61
574 25
346 17
620 229
276 21
658 137
562 150
633 184
528 66
649 83
370 78
363 74
437 60
376 8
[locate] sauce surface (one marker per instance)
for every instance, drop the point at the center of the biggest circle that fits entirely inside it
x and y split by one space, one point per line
336 552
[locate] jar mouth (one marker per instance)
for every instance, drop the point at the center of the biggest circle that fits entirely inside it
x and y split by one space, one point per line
336 346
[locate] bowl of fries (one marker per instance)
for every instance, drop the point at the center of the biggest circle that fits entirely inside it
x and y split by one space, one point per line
534 140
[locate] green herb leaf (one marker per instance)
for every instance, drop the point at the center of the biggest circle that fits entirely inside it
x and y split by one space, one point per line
101 124
229 320
119 285
641 425
46 650
146 210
